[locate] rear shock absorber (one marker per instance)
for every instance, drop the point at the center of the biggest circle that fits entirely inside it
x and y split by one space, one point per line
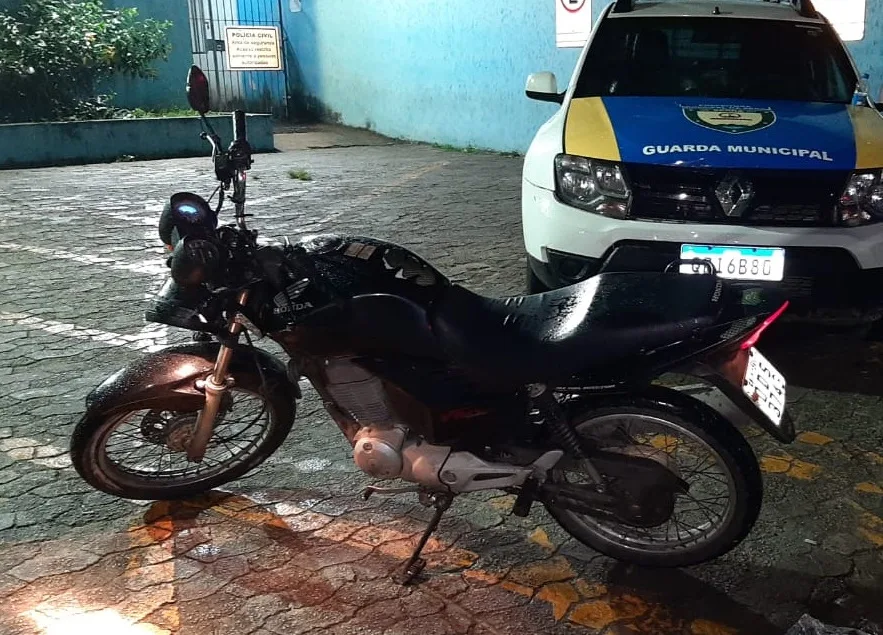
553 415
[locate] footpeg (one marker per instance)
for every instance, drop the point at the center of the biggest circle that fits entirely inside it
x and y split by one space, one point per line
525 498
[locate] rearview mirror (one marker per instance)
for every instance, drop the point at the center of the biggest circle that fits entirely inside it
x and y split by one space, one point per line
197 90
543 87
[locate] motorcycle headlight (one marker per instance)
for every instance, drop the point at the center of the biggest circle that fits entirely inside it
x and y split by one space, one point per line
862 200
595 186
186 214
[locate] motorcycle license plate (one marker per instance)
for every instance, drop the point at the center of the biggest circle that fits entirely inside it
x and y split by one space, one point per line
765 386
737 263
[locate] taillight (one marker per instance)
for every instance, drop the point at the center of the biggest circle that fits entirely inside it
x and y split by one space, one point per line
754 337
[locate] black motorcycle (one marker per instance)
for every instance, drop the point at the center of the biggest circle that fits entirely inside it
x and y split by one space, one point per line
551 397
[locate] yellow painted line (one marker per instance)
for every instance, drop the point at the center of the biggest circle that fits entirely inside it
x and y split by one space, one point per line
707 627
790 466
804 471
869 488
588 131
571 598
871 528
664 442
814 438
873 537
874 458
590 590
540 537
774 464
597 614
561 595
503 503
536 574
520 589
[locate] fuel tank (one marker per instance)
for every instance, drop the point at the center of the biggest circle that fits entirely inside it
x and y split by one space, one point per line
369 296
357 265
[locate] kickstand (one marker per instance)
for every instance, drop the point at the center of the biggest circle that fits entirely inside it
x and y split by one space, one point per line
415 564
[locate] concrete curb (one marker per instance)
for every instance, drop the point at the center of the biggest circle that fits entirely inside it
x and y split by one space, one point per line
105 140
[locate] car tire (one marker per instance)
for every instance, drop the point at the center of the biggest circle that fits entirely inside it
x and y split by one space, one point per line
534 284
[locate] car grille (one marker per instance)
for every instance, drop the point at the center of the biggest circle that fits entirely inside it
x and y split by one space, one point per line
780 197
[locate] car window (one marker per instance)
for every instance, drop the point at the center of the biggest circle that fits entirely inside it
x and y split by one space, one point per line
716 57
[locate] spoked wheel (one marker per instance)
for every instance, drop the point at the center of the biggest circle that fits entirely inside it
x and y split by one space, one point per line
141 453
657 527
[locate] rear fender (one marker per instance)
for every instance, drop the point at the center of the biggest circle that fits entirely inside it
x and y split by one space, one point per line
726 375
167 379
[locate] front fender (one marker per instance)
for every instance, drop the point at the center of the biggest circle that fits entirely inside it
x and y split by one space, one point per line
167 378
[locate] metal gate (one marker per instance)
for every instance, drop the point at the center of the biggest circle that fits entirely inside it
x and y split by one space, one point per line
258 91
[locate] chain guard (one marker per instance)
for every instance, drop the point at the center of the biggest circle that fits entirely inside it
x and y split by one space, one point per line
643 488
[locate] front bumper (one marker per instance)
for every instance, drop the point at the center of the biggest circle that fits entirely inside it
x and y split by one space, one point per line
831 275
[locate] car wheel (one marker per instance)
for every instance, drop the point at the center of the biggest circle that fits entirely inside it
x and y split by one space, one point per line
534 284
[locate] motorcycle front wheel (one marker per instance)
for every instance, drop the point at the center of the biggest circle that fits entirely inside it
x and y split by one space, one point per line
140 454
702 448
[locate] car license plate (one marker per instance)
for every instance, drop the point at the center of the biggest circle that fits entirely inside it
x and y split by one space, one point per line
737 263
765 386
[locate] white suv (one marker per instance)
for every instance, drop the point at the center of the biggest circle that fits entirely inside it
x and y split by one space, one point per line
733 131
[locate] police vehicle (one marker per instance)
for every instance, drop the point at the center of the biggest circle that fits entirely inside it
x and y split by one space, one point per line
734 131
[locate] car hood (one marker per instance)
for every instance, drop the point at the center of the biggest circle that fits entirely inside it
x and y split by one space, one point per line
725 133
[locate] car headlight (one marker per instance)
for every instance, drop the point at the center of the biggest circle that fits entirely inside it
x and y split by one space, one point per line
862 200
595 186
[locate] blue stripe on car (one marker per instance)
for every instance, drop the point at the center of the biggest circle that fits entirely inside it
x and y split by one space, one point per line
656 130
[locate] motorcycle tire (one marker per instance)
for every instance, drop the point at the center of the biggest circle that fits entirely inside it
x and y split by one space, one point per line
704 424
89 456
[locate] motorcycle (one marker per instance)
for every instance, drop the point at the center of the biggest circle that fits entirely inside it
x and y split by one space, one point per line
550 397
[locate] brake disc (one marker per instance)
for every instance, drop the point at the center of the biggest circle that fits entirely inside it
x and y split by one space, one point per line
172 429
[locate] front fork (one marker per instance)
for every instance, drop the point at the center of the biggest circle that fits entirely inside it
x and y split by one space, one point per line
215 385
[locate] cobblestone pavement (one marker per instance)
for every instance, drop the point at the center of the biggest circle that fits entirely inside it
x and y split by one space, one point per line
290 549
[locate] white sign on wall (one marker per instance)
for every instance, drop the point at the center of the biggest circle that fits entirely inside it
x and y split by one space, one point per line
573 22
253 48
847 17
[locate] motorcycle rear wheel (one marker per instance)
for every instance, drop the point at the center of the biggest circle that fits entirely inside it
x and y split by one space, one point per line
714 528
162 434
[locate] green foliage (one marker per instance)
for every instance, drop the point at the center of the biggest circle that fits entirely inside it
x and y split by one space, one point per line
55 53
140 113
299 175
447 147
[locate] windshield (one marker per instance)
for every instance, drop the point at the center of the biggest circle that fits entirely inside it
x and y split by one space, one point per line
716 57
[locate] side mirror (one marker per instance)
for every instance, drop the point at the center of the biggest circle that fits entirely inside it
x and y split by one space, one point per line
197 90
543 87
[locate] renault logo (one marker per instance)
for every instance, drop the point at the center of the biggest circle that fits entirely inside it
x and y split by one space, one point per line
734 194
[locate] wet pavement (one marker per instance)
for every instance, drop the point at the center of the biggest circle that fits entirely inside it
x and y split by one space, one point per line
291 549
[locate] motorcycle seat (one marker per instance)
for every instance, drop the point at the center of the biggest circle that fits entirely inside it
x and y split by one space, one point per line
558 334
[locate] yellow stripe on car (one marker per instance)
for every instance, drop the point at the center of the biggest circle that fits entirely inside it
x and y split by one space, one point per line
867 125
588 131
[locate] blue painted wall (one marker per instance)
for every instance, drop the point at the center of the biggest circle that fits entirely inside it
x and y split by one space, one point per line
166 90
868 52
448 71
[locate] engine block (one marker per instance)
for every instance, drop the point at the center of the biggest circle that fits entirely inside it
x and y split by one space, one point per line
359 393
